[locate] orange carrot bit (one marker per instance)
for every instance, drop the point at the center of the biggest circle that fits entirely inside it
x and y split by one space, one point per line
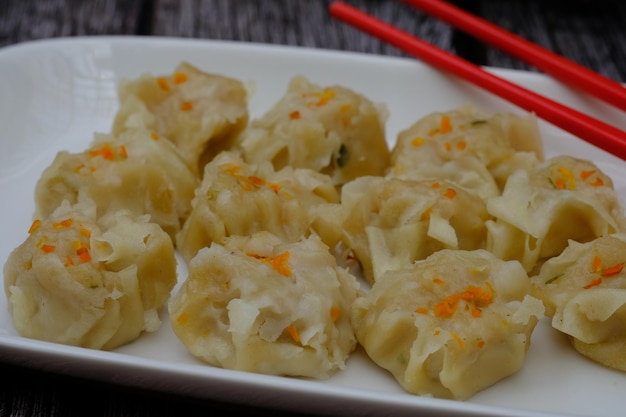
180 78
597 183
480 297
123 153
182 318
154 136
476 312
593 283
613 270
279 263
446 308
293 332
458 340
418 141
325 97
450 193
566 173
426 214
596 264
275 187
334 313
162 83
48 248
83 254
421 310
294 115
82 251
446 125
461 145
438 281
435 185
256 181
481 344
186 106
34 226
560 183
63 224
106 152
231 169
586 174
69 261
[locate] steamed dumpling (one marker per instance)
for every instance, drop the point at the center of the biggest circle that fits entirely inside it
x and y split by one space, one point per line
390 222
332 130
201 113
259 304
450 325
133 172
237 198
584 290
476 150
88 283
543 208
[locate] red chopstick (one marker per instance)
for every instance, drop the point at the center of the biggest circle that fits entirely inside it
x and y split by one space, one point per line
547 61
594 131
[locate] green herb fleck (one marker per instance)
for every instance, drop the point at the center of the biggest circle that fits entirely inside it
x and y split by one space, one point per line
554 278
341 156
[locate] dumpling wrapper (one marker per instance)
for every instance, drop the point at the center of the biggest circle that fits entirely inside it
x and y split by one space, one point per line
451 325
468 146
535 214
333 130
262 305
389 222
200 112
237 198
92 284
584 290
132 172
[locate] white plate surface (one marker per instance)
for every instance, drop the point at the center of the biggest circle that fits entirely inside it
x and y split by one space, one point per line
55 94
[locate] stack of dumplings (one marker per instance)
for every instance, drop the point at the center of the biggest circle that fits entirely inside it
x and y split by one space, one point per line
305 235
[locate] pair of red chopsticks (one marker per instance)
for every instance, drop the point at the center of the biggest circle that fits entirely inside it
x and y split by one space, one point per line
592 130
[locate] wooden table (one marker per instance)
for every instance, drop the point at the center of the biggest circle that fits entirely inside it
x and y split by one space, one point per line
589 32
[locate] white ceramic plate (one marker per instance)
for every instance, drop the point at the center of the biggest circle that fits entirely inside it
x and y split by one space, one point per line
55 94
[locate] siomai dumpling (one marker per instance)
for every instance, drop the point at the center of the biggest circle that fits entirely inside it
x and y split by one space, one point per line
237 198
333 130
95 284
134 171
468 146
584 291
541 209
389 222
259 304
451 325
200 112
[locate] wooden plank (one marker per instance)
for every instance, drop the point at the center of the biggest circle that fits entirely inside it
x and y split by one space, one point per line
590 33
290 22
24 20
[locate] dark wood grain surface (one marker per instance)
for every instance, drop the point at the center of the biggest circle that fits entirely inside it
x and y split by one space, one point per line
591 33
